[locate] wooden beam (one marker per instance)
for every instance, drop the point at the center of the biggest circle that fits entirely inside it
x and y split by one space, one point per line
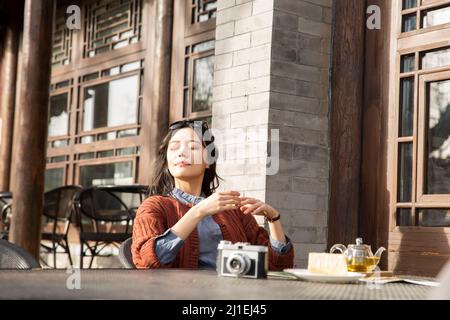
374 220
9 56
346 103
32 124
155 115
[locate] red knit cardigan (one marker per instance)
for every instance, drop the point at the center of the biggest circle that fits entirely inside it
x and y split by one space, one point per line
157 214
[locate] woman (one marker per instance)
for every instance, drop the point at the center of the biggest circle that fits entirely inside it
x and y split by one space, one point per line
183 221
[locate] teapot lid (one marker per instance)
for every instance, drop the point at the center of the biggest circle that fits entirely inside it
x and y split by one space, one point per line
359 244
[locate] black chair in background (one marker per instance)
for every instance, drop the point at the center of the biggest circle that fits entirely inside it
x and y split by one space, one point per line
57 214
125 256
5 213
5 198
15 257
103 219
131 195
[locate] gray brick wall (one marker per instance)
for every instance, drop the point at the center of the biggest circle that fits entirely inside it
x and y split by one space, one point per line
299 108
271 72
241 93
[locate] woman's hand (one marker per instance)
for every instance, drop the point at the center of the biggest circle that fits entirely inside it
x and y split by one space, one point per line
218 202
215 203
257 207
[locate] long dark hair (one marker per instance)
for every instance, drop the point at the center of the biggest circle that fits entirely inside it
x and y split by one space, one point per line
163 182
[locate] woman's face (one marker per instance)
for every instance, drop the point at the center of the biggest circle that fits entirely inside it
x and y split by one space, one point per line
185 155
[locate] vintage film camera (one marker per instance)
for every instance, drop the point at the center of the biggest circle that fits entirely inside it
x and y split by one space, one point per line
242 260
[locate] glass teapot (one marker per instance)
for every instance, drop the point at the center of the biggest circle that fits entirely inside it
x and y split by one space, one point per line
359 256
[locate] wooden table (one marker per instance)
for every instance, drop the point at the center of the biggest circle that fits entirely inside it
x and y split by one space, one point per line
185 284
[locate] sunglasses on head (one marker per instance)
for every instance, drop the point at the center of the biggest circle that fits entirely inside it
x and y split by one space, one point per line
189 123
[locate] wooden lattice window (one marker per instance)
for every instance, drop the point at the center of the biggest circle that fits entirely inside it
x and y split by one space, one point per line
111 25
60 105
198 79
110 103
107 171
424 14
193 59
62 41
423 115
58 151
203 10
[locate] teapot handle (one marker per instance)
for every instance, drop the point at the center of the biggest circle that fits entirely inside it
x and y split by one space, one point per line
339 247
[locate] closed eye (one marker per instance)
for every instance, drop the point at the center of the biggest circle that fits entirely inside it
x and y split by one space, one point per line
174 146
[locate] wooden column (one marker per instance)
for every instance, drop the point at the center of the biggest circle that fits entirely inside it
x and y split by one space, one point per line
32 123
374 221
346 104
155 115
9 54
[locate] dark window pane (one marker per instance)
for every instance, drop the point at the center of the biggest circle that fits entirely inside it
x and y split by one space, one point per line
105 154
193 16
406 107
435 17
435 58
126 151
186 71
111 104
54 178
86 155
408 62
203 80
58 159
405 172
203 46
438 139
62 84
404 218
111 72
409 22
60 143
106 136
58 121
87 139
434 217
127 133
185 102
120 173
91 76
408 4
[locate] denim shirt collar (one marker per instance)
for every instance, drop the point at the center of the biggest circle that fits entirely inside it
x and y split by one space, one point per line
186 198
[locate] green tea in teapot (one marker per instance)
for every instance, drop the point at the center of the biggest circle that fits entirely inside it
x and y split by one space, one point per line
365 264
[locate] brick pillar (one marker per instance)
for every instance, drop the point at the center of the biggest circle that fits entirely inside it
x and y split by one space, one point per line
272 67
241 92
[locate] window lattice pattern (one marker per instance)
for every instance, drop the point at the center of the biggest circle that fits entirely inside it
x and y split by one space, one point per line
203 10
62 42
110 25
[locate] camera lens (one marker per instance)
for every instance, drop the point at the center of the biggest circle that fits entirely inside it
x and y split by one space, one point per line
238 264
